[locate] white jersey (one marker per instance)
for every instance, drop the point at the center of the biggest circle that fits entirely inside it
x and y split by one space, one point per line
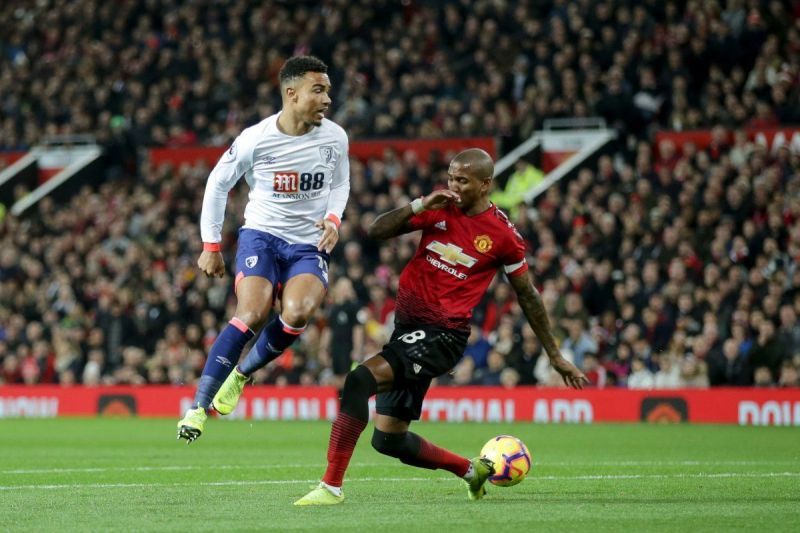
294 181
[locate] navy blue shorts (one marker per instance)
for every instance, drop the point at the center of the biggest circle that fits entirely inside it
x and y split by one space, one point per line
262 254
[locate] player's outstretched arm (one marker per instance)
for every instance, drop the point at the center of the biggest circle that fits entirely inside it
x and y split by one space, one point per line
395 222
531 303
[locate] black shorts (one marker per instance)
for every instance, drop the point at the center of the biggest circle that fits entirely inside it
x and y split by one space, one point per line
417 354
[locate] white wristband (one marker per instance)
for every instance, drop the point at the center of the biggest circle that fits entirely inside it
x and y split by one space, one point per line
417 206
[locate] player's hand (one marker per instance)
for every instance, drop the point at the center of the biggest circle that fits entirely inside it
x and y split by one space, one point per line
330 235
439 199
572 376
212 264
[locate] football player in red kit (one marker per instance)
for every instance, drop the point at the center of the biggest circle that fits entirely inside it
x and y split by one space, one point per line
465 240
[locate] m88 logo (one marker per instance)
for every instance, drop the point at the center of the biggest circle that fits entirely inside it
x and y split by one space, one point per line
295 181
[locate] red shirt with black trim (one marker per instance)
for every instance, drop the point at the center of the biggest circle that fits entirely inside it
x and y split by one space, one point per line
457 258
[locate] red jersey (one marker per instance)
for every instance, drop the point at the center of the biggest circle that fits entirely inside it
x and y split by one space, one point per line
456 261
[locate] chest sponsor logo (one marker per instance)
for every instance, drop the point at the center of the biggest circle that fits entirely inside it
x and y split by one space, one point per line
451 254
286 181
483 243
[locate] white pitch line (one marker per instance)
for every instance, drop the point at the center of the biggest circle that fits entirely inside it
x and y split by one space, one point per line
703 475
91 470
622 477
73 486
672 463
176 468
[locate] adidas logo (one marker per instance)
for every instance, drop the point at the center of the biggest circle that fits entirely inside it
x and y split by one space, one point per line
417 368
441 225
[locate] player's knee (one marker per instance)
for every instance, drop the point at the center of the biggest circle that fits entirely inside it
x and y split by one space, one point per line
359 382
296 313
295 319
253 317
359 385
391 444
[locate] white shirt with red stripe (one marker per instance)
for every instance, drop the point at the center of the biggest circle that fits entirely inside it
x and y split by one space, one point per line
457 258
294 181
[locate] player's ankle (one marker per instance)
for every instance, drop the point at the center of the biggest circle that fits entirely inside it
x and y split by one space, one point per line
336 491
470 473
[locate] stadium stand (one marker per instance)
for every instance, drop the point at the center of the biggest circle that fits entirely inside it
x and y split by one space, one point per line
661 265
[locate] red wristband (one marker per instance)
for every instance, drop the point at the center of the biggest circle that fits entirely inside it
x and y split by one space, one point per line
333 218
211 247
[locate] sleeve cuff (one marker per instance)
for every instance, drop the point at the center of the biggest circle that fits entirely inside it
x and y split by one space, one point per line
211 247
516 269
333 218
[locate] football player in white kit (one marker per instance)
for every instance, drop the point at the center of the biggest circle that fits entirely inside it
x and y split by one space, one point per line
296 164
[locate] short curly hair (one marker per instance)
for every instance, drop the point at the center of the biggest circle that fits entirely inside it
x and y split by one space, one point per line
297 66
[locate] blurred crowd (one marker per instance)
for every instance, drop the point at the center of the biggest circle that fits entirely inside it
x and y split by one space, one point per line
657 271
661 266
179 72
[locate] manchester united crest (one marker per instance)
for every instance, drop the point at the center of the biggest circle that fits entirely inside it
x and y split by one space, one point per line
483 243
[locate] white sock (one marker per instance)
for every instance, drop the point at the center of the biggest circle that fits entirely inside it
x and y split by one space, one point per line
470 472
336 491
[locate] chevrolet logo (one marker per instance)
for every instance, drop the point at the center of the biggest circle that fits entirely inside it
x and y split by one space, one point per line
452 254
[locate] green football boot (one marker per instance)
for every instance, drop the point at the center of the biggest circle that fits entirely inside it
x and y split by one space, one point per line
320 496
227 397
191 425
482 468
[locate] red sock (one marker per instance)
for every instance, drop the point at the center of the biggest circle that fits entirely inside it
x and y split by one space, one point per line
344 436
432 456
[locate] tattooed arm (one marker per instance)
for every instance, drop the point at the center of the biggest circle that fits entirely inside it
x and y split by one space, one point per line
532 306
391 223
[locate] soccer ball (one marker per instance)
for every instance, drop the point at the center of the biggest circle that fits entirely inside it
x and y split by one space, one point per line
511 460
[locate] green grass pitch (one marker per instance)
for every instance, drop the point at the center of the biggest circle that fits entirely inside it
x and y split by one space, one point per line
132 475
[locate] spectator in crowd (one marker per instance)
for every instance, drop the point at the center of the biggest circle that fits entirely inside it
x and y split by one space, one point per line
694 373
640 376
789 332
512 195
524 356
763 377
345 329
731 367
578 340
491 373
595 372
668 374
478 347
768 351
790 376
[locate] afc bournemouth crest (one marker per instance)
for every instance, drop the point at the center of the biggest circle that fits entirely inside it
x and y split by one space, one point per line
327 154
230 153
483 243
